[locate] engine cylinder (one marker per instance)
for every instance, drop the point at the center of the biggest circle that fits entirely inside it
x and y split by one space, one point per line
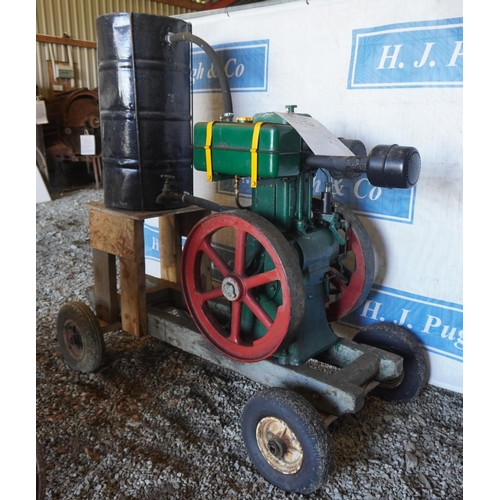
145 110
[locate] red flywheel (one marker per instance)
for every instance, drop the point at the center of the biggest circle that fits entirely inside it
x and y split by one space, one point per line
245 309
352 277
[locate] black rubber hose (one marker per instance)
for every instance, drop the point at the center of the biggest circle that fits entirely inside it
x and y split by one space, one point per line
201 202
192 200
219 69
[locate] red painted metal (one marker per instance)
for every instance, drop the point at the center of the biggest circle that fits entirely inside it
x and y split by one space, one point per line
227 338
352 286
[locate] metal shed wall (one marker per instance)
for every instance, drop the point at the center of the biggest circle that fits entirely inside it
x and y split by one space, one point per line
76 18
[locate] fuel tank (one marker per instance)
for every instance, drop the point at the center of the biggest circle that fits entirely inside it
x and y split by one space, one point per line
145 109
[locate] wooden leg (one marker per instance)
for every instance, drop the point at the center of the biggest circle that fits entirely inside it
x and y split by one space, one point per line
124 238
133 296
171 229
97 171
105 292
170 247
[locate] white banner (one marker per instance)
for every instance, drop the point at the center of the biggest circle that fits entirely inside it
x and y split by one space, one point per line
385 72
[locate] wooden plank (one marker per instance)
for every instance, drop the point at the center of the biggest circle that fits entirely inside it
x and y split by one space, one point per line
173 286
346 352
220 4
133 296
117 235
65 41
170 247
158 290
187 4
106 302
332 393
100 207
123 237
190 4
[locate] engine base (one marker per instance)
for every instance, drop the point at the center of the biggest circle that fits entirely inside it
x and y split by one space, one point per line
315 334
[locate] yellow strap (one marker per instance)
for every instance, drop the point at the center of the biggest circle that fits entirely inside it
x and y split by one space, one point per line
253 155
208 152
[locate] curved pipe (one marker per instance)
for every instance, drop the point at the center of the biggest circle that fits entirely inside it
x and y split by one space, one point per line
192 200
219 69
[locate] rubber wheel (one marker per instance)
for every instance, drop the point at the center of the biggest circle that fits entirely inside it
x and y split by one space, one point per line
398 340
80 337
287 441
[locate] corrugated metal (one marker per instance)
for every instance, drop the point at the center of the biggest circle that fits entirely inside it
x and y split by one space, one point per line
77 19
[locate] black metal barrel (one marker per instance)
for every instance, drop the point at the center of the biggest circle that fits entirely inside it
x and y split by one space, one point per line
145 109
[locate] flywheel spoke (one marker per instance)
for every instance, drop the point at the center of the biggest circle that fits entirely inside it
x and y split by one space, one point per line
235 323
262 279
258 310
339 285
215 257
216 293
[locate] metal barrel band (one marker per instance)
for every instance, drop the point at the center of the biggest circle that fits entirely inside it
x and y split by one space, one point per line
208 151
253 154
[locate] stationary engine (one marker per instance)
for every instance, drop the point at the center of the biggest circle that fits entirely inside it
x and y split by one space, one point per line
268 279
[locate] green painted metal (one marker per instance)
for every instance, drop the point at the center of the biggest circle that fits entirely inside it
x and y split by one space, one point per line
268 296
283 195
286 202
278 152
276 200
315 334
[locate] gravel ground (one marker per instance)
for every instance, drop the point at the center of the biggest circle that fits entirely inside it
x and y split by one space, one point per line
157 423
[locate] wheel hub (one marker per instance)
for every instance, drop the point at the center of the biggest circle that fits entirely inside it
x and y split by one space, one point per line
232 288
276 447
279 445
73 340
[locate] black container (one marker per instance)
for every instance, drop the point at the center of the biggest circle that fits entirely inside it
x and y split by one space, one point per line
145 109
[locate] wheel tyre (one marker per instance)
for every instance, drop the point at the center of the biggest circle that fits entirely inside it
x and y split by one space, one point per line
303 423
398 340
80 337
